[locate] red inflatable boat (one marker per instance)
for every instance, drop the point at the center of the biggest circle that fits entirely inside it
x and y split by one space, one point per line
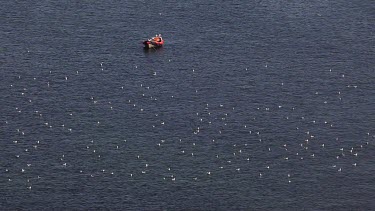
155 42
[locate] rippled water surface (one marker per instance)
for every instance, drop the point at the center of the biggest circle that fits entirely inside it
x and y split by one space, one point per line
259 105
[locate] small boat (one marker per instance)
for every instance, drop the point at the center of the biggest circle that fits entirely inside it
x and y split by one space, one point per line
154 42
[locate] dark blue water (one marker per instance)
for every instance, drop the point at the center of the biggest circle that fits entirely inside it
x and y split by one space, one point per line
259 105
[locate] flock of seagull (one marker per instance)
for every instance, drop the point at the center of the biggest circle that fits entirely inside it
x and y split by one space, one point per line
172 139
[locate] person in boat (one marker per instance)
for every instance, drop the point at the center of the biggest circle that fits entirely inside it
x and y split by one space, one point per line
156 38
159 38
